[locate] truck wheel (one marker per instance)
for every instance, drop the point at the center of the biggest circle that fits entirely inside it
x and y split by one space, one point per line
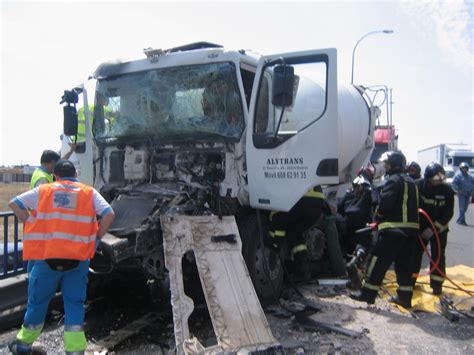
263 264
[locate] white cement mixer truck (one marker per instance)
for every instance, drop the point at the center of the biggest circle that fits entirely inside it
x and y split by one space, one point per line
200 130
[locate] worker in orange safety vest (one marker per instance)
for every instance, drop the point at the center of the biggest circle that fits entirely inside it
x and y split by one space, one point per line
60 236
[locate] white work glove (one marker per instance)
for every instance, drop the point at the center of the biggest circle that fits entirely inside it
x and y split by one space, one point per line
427 234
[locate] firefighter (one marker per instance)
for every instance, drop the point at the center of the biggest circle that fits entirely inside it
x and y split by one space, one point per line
44 174
61 238
355 208
436 199
414 170
287 228
356 211
397 218
463 184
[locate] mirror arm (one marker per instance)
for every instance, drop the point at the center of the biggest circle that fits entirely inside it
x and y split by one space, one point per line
279 122
280 60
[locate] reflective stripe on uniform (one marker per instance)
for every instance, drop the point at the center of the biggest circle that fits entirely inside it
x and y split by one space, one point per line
315 194
73 328
58 235
67 227
33 326
405 288
69 217
386 225
441 227
405 203
436 278
29 333
437 202
373 260
74 341
370 286
278 233
298 249
66 186
417 192
428 201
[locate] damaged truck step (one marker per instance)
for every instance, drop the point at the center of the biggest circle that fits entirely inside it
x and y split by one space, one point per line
237 317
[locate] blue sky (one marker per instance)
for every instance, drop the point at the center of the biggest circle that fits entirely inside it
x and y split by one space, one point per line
428 60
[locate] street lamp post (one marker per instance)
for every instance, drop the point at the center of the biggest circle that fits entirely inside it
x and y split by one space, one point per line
355 47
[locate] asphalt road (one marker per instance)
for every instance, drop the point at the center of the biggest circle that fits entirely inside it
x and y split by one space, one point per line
460 248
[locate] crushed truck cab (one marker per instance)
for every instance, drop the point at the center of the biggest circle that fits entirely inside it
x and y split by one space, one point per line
199 130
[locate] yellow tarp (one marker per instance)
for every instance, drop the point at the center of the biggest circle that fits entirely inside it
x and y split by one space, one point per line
423 298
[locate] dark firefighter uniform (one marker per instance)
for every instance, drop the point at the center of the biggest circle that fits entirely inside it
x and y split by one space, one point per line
438 202
356 210
397 218
288 227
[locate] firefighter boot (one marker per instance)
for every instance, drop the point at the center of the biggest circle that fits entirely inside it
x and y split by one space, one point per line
364 296
402 300
437 289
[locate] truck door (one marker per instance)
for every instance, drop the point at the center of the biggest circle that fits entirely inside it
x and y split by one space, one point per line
292 132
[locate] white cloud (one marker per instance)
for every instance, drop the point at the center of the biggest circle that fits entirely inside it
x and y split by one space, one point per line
451 22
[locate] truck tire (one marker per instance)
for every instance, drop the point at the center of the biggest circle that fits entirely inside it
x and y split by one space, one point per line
264 265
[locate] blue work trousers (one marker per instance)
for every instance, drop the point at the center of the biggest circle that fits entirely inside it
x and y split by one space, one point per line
464 201
42 285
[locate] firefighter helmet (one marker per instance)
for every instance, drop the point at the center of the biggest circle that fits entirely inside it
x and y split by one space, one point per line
364 176
396 159
435 171
414 170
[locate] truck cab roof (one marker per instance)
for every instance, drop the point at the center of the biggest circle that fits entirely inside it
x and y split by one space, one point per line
189 54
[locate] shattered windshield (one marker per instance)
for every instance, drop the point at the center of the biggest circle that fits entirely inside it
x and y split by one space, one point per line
184 101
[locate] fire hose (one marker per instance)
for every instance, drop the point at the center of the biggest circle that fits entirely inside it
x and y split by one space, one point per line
435 264
424 246
434 267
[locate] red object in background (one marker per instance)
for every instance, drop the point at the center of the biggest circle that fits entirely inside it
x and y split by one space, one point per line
383 135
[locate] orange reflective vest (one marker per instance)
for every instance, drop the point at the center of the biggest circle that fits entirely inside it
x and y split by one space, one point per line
65 224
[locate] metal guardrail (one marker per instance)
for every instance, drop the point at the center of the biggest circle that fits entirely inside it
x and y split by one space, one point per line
18 267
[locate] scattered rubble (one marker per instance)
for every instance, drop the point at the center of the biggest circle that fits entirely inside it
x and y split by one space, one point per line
380 327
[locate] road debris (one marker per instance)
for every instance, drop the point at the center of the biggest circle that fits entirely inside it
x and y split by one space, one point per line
116 337
312 324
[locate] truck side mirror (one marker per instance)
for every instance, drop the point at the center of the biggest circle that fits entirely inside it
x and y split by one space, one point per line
283 85
70 120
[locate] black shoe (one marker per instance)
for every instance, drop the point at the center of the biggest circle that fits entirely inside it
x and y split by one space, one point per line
397 300
437 290
16 348
361 297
